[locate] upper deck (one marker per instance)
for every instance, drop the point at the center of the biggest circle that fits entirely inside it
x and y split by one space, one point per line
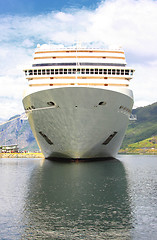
80 66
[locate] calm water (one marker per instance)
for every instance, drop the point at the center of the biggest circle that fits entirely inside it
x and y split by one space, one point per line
115 199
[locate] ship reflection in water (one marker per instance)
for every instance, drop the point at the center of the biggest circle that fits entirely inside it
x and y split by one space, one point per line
84 200
78 200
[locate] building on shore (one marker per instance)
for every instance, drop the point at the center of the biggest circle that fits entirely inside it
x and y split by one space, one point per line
9 148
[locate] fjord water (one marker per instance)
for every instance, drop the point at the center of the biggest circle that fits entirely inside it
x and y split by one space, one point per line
111 199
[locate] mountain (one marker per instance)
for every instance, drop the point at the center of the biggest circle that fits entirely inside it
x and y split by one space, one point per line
144 127
18 131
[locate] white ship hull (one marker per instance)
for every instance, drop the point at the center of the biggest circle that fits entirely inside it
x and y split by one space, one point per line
77 127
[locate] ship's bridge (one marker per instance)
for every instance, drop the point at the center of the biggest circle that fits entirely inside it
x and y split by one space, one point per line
78 66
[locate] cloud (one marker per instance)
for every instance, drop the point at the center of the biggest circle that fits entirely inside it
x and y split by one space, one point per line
131 24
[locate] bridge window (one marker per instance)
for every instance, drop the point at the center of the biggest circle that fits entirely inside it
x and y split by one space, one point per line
113 71
118 71
122 72
60 71
100 71
126 72
92 71
82 71
78 71
30 72
109 71
96 71
74 71
48 71
56 71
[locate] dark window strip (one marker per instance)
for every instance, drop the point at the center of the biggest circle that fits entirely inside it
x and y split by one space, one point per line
109 138
46 138
78 64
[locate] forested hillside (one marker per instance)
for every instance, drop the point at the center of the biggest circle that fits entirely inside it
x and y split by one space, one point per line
144 127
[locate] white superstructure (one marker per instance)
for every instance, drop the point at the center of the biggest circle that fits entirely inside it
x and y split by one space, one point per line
78 101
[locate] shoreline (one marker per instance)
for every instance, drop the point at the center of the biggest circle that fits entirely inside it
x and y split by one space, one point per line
138 151
40 155
21 155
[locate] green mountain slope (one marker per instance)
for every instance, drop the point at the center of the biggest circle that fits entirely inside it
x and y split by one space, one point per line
147 146
144 127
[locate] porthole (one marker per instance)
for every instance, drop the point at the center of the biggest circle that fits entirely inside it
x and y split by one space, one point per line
30 108
51 103
102 103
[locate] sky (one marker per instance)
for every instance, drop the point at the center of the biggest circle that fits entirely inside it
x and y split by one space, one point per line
131 24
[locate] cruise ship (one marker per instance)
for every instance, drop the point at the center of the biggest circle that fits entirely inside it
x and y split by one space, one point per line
78 101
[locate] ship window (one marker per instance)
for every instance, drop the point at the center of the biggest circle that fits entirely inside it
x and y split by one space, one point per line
96 71
87 71
65 71
30 72
113 71
39 72
109 71
126 72
100 71
56 71
60 71
102 103
43 72
69 71
118 71
26 72
52 71
46 138
105 71
83 71
51 103
92 71
131 73
48 71
74 71
78 71
109 138
122 72
35 72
